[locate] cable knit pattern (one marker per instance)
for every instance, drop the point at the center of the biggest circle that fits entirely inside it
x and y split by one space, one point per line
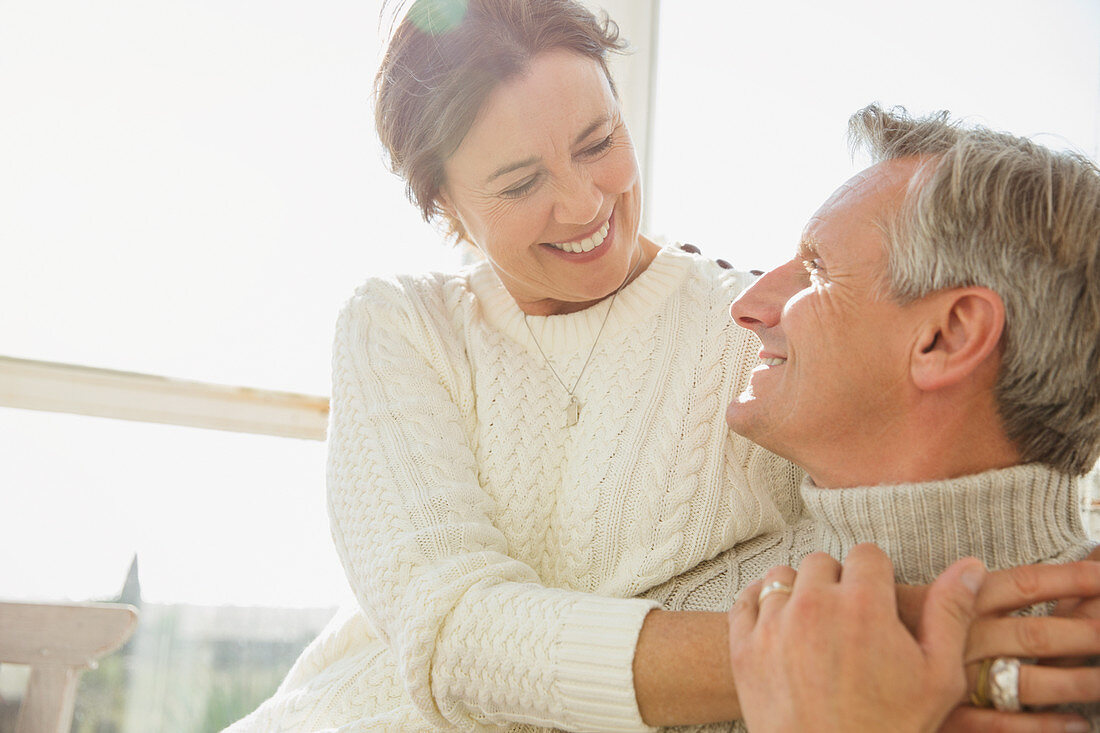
493 551
1008 517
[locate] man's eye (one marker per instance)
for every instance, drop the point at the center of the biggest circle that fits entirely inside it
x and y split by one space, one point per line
815 267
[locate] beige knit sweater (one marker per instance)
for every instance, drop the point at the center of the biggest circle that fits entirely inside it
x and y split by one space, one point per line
493 550
1015 516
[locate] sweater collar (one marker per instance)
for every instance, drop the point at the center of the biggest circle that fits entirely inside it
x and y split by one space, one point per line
1006 517
568 332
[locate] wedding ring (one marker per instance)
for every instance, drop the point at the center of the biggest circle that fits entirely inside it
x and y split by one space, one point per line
773 587
1004 684
980 696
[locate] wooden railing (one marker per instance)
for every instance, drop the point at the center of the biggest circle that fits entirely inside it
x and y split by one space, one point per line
81 390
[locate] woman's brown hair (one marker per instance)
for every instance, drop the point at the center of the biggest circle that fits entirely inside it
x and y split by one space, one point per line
443 61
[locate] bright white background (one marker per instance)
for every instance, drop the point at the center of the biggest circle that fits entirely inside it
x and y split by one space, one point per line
753 99
192 189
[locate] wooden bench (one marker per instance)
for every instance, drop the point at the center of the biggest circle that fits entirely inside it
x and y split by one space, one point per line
58 641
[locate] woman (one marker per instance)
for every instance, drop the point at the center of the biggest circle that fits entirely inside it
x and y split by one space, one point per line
519 448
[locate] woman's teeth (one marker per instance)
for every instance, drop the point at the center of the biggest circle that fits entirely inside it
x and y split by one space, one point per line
773 362
585 245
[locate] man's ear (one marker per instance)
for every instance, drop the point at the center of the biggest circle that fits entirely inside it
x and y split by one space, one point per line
962 331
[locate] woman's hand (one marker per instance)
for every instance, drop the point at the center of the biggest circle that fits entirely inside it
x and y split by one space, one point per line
1061 642
832 655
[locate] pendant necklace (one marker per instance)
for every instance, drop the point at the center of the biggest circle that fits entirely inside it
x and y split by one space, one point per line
573 409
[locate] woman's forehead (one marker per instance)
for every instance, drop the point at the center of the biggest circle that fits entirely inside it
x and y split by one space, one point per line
561 99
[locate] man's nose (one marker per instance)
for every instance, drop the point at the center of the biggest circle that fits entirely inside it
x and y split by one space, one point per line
761 305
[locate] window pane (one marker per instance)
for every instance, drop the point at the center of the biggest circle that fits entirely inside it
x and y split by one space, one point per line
194 188
214 517
753 98
236 566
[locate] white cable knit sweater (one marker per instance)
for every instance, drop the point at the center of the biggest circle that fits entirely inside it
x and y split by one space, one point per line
493 550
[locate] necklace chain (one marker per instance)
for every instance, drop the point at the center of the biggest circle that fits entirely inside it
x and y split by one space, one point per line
573 410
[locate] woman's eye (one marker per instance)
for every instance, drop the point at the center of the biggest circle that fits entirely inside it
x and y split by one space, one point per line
521 189
601 146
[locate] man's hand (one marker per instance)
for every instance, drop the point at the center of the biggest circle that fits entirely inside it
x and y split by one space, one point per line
832 655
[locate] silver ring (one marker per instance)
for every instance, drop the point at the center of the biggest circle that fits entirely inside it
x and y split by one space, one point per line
1004 684
773 587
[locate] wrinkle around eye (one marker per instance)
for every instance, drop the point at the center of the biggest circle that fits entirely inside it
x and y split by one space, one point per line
521 189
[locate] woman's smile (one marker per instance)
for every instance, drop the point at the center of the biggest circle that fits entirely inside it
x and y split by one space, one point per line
586 244
591 247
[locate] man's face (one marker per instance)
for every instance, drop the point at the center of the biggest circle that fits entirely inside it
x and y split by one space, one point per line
835 357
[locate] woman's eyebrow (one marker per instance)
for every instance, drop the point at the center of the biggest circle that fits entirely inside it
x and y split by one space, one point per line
595 125
509 167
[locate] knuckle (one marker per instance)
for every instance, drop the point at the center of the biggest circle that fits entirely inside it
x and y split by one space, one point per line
865 548
780 574
1027 580
1087 574
809 607
819 556
752 590
1033 636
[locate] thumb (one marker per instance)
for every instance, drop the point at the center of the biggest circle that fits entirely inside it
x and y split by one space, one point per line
949 609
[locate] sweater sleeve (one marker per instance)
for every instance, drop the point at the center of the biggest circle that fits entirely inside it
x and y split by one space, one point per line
478 640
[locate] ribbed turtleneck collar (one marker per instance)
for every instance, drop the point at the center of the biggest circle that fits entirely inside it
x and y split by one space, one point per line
572 331
1006 517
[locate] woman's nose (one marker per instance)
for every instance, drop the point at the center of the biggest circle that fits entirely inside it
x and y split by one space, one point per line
579 200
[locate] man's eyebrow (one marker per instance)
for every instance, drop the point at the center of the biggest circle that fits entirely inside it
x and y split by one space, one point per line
807 248
509 167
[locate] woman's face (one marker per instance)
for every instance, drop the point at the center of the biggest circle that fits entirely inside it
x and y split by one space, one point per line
546 184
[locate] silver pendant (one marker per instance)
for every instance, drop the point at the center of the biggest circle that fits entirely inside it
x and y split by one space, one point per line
572 412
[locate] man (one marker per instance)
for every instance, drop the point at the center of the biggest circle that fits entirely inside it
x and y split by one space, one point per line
931 358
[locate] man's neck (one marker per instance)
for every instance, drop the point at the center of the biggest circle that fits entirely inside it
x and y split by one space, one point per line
920 451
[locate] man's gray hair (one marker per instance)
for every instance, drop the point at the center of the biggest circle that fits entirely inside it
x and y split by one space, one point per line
1002 212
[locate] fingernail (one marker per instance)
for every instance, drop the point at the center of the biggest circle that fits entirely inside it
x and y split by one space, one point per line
972 578
1078 726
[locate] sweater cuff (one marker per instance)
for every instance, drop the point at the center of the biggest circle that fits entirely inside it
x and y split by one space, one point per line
595 663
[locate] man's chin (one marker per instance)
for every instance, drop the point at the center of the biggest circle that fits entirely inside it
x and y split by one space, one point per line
743 415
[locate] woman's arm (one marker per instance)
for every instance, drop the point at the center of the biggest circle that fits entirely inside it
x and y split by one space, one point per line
682 671
478 639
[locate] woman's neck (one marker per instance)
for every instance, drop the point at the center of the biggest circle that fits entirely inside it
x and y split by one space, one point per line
645 250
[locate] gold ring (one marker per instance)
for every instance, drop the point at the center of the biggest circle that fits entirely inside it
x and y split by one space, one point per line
773 587
980 696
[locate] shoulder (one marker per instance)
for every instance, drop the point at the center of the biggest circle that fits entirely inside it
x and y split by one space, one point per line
395 319
424 297
716 272
410 289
